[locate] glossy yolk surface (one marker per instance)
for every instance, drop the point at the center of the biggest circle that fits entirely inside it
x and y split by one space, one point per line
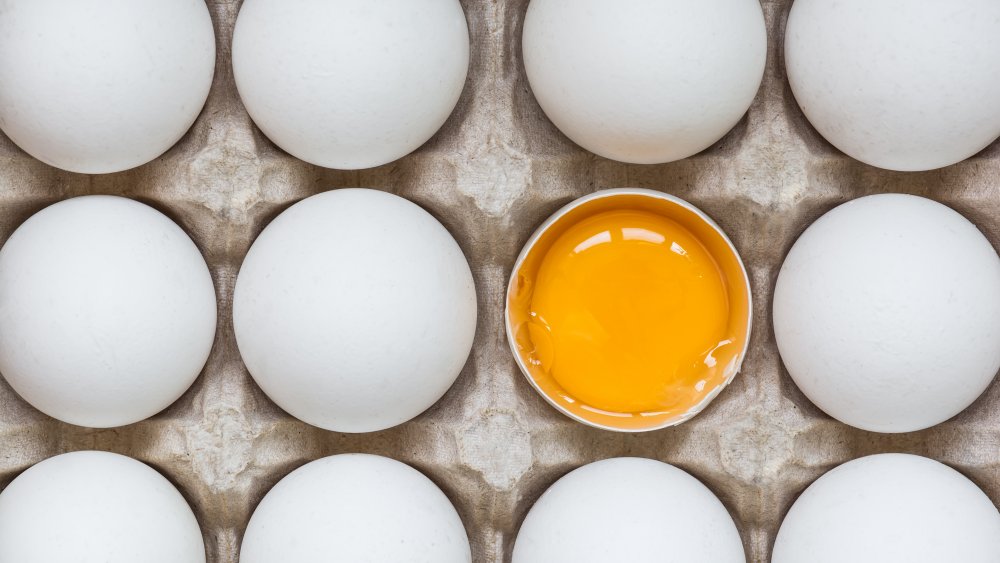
629 313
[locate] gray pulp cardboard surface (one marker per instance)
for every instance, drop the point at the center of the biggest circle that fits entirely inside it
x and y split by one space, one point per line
495 171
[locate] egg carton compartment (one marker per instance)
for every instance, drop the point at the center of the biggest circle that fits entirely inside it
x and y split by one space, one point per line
494 172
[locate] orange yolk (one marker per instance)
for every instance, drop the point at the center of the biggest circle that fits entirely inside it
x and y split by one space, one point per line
626 313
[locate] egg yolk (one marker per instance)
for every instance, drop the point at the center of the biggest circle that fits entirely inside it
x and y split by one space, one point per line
628 312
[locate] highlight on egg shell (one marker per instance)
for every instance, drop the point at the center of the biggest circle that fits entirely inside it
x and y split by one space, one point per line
629 310
904 85
355 310
644 81
96 506
890 508
107 311
350 84
887 313
104 85
628 509
355 507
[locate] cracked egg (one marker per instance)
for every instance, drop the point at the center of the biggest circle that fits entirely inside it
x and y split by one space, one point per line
629 310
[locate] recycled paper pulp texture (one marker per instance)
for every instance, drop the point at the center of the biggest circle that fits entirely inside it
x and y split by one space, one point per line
496 170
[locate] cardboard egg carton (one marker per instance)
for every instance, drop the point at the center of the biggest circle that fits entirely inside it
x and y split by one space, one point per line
494 172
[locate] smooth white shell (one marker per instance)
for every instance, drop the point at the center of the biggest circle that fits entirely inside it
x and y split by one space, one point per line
103 85
350 83
96 507
355 310
355 508
645 81
890 508
898 84
107 311
628 509
887 313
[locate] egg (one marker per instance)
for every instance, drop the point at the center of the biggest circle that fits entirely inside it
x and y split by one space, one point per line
104 85
628 509
890 508
355 310
899 84
350 84
644 81
96 506
355 507
887 313
107 311
629 310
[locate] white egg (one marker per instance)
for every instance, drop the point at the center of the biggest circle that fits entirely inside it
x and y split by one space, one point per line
355 507
628 509
890 508
645 81
355 310
898 84
104 85
96 507
887 313
107 311
350 83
